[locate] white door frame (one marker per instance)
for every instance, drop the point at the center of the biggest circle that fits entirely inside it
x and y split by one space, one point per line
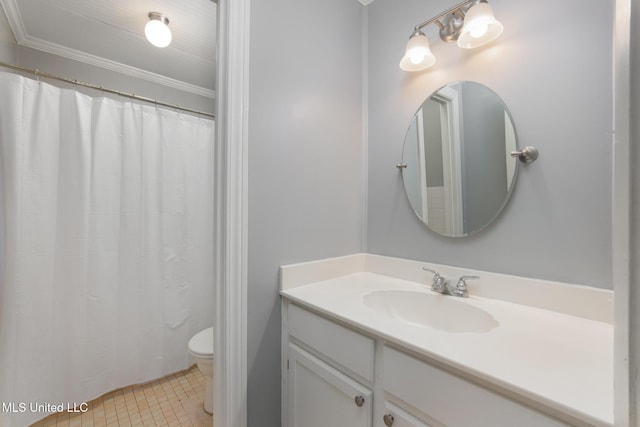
451 167
422 166
623 362
232 100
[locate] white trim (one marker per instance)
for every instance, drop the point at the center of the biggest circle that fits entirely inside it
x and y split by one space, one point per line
422 166
621 215
230 408
12 12
23 39
118 67
284 362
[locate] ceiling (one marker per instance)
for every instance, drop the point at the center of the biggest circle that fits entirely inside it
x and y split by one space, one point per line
110 34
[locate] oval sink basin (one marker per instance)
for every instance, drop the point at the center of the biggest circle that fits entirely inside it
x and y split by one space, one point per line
441 312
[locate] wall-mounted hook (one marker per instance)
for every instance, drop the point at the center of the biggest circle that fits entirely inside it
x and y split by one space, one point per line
526 155
401 166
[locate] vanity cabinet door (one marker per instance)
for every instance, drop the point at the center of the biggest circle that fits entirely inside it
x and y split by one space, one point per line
321 396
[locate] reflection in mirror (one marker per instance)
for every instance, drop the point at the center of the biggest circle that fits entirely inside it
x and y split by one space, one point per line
459 171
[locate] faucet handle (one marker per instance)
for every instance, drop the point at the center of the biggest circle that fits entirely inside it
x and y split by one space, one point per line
462 282
435 273
439 282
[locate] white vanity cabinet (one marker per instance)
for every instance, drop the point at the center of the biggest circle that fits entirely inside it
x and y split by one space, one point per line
334 375
329 372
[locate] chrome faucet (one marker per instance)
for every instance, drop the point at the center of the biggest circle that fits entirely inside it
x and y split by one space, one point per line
440 284
461 286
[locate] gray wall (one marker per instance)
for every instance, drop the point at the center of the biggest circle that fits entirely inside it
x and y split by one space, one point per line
305 163
556 225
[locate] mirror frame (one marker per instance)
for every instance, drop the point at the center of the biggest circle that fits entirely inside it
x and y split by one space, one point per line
498 209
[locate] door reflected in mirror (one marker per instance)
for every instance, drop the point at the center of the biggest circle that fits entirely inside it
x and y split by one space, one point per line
459 171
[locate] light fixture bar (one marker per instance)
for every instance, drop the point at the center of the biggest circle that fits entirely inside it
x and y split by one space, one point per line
436 19
418 55
471 24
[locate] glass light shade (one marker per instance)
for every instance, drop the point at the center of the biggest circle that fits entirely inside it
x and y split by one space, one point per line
480 27
157 31
418 55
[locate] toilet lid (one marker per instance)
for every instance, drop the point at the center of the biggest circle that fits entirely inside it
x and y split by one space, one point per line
202 343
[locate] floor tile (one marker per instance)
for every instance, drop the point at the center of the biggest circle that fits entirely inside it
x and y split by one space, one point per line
173 401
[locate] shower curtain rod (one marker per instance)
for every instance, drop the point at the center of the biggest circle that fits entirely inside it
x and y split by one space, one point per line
39 73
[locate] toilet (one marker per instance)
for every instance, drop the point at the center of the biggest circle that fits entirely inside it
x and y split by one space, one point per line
201 348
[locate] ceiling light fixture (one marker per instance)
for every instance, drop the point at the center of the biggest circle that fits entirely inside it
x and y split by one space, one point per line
470 23
157 30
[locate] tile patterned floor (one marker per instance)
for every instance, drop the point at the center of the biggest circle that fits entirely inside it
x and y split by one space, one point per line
175 400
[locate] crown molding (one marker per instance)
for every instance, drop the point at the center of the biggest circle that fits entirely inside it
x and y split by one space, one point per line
23 39
14 17
118 67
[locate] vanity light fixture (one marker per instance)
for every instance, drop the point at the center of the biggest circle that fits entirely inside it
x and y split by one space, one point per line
470 23
157 30
417 55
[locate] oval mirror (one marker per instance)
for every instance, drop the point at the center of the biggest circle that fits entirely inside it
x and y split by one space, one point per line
457 170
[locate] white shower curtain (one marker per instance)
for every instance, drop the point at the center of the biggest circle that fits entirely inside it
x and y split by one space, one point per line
108 244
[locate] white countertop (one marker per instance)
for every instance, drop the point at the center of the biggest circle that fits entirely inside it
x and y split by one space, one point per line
559 360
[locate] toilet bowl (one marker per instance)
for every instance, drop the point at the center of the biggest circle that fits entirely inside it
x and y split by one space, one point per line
201 348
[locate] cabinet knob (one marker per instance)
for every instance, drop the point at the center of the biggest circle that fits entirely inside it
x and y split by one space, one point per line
388 420
359 400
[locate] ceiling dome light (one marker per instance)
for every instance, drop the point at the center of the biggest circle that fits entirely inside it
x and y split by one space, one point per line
157 30
480 27
418 55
